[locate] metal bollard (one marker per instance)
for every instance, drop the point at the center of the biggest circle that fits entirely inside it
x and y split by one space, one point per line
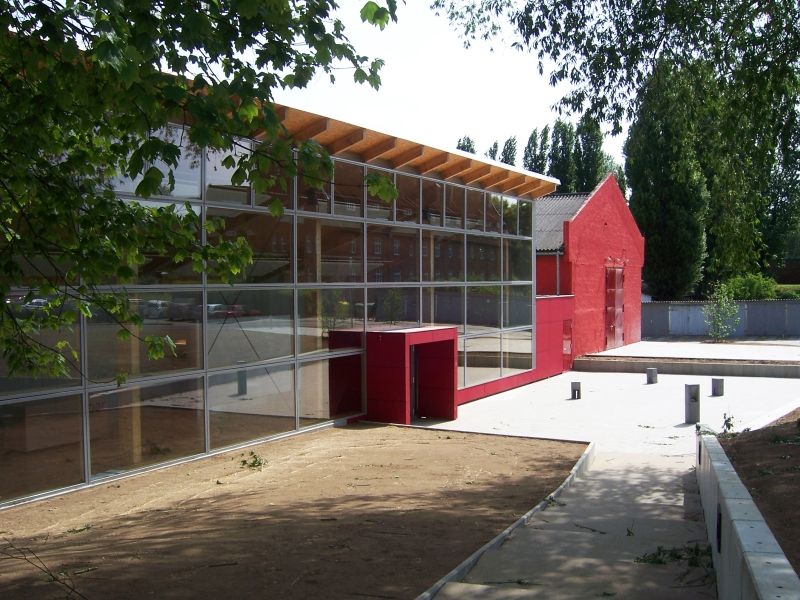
692 403
717 387
575 390
241 380
652 375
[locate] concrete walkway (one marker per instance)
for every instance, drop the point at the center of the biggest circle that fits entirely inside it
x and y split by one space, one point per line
640 493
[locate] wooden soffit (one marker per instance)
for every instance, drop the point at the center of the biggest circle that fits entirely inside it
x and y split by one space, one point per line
381 149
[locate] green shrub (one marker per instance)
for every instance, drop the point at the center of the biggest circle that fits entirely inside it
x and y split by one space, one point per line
752 286
784 294
721 313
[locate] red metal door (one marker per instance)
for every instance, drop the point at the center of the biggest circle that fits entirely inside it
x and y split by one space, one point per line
614 307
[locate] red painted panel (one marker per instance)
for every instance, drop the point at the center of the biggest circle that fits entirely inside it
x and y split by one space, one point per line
551 313
344 385
388 372
548 281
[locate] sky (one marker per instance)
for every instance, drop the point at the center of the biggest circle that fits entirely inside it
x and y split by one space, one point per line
434 90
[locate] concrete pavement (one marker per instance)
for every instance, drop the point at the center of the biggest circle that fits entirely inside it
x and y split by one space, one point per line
639 495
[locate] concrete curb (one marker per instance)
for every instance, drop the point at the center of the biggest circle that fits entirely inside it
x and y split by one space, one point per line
748 561
583 464
686 366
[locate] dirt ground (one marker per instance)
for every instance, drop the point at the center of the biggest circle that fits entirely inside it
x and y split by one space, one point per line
357 512
768 463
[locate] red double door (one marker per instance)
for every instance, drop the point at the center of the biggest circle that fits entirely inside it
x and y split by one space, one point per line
615 279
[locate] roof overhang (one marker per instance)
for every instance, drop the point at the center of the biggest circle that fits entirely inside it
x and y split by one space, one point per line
384 150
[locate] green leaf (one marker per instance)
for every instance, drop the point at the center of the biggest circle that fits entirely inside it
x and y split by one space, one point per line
150 183
376 15
247 112
276 208
382 187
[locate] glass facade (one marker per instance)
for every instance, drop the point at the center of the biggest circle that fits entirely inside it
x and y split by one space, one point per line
281 347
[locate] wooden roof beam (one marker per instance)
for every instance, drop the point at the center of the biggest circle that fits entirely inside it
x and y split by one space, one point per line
493 180
476 174
433 162
379 149
407 156
347 141
311 130
528 187
513 183
456 168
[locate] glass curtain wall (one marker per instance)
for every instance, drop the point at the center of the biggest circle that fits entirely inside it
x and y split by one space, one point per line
282 347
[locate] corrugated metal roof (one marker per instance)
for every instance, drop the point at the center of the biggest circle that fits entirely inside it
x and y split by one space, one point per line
551 212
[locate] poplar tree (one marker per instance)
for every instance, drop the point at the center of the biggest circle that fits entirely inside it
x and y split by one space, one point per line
669 197
562 155
531 148
466 144
509 153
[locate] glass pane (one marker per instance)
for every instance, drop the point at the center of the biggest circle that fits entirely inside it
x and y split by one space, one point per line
442 256
483 258
24 382
249 326
526 218
160 268
483 359
219 187
34 270
187 172
443 306
518 305
176 314
348 189
282 191
517 352
41 446
329 251
330 319
141 426
313 198
432 202
518 259
494 213
249 404
270 239
462 363
392 308
330 389
408 198
483 308
392 254
475 212
510 217
454 207
377 208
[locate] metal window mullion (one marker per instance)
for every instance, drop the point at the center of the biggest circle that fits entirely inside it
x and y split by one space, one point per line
295 257
203 301
84 366
533 282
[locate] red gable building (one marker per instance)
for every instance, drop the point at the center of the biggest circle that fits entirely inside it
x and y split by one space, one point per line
589 246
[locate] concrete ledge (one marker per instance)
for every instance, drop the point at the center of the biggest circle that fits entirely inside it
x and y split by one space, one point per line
686 366
580 468
749 563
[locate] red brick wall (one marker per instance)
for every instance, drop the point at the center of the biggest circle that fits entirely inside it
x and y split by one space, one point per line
603 234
